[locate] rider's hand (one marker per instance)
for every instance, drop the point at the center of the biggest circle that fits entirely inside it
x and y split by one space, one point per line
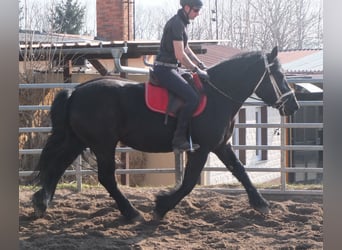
201 65
201 73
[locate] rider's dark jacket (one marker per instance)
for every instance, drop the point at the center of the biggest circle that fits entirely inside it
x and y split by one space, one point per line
174 30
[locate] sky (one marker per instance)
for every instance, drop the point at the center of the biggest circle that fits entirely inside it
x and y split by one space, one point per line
91 8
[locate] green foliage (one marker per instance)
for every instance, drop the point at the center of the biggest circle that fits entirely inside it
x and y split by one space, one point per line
68 17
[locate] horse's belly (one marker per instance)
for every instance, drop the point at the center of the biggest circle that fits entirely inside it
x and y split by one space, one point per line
148 144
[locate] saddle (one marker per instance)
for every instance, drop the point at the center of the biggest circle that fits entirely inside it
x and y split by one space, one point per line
160 100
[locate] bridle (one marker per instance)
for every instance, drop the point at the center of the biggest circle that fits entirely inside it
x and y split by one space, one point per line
279 95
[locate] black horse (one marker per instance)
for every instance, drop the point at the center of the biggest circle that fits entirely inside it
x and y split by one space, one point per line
101 112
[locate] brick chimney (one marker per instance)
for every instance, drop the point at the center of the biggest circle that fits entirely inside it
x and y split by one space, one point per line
114 19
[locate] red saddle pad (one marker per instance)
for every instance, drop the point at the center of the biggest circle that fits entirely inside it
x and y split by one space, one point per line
157 98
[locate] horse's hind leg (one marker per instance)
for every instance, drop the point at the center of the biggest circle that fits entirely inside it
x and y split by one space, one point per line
106 175
228 157
56 156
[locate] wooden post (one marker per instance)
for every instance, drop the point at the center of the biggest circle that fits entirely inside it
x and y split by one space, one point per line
67 71
98 66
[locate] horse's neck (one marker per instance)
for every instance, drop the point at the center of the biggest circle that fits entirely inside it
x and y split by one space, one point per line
225 106
236 77
236 95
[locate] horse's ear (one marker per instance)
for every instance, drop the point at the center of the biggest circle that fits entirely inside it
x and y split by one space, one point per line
274 53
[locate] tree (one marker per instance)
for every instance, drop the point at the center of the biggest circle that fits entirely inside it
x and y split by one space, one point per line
21 13
247 24
68 17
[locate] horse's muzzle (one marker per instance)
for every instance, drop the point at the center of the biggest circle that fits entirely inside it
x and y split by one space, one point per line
288 106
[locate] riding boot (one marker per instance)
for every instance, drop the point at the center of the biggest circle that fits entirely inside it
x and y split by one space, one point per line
180 142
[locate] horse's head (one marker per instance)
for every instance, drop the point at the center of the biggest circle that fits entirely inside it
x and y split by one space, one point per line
273 88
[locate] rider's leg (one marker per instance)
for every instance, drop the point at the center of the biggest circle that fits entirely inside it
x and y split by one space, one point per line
174 82
180 141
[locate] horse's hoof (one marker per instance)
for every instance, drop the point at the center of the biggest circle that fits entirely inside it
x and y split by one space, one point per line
38 213
263 210
136 216
259 203
262 206
156 216
39 206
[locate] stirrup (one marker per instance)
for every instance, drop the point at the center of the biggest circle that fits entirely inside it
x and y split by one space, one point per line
193 147
185 147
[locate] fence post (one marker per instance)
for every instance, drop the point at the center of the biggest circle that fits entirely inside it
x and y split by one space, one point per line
179 168
79 173
282 155
127 167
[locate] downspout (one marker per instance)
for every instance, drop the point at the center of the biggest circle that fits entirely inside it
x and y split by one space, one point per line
117 53
146 62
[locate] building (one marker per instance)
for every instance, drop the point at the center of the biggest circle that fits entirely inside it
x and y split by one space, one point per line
305 69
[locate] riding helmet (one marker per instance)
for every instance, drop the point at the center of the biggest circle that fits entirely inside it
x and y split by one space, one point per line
192 3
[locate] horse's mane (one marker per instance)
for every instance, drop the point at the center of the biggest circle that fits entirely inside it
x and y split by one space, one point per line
237 63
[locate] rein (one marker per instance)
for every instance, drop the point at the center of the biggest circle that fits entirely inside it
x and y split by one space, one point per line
231 98
278 93
221 92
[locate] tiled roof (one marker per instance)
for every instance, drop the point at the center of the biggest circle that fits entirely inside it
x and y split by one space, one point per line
217 53
303 61
293 55
293 61
41 37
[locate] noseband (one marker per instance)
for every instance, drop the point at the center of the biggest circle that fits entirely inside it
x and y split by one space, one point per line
279 95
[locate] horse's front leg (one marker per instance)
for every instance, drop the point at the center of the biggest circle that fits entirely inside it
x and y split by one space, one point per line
228 157
194 166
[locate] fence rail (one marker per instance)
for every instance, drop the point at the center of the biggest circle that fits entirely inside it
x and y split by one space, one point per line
178 170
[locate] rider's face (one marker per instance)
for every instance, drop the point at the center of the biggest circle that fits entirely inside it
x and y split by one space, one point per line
193 12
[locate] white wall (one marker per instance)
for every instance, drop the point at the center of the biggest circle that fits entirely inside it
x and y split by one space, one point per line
273 160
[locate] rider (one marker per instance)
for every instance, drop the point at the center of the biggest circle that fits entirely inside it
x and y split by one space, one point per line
174 52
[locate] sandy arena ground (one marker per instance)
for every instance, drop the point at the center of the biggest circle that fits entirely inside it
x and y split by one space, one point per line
203 220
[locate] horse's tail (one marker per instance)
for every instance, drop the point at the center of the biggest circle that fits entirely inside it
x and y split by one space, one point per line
59 112
61 145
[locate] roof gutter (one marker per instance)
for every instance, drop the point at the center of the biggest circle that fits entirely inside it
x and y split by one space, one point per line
115 52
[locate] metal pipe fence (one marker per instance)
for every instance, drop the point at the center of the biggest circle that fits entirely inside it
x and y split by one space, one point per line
179 159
